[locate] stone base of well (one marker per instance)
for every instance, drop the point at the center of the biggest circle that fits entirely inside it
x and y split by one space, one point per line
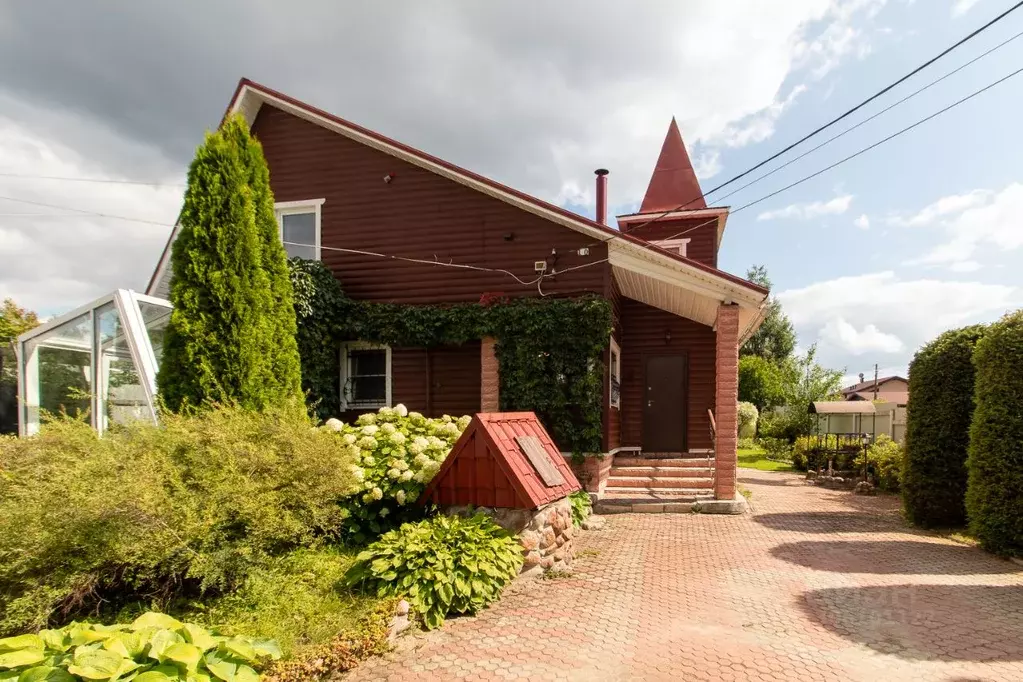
545 533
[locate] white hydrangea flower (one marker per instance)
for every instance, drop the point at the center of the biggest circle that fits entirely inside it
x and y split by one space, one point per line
393 473
367 498
385 511
370 429
463 422
368 443
401 410
436 443
416 449
353 451
421 461
358 473
384 411
398 438
400 496
406 476
350 438
365 419
369 460
401 465
377 494
388 428
446 418
335 424
450 430
423 443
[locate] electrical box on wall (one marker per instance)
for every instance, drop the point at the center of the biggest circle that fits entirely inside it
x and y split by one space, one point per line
540 266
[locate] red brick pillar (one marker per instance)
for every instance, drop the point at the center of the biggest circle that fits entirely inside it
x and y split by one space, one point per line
490 377
726 397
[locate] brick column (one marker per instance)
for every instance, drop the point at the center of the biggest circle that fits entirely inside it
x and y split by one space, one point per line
726 397
490 377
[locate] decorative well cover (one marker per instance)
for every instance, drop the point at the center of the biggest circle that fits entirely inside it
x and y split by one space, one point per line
503 459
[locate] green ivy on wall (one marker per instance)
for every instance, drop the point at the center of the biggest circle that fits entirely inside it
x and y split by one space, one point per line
549 350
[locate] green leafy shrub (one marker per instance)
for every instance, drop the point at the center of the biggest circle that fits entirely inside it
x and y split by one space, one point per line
938 418
443 565
231 336
813 452
153 648
395 453
994 495
747 420
186 507
582 507
776 448
747 443
884 462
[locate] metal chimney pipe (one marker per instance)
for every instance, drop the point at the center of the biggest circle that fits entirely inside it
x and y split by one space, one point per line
601 195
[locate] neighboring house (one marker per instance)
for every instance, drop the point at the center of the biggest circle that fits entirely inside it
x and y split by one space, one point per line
678 320
893 389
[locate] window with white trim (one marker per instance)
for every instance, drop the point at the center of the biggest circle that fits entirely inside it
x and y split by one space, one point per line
679 246
365 375
615 365
299 223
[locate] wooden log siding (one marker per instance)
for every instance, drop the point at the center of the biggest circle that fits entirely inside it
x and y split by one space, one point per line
643 335
703 246
418 214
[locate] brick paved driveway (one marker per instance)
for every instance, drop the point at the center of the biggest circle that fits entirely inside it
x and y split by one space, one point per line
814 585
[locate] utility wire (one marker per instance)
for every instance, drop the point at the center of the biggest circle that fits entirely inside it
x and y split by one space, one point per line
112 181
85 212
835 120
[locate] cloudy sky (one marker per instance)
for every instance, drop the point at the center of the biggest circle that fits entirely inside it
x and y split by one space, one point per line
870 259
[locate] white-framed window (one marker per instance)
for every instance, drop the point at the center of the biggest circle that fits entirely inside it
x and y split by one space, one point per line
365 375
679 246
299 223
615 365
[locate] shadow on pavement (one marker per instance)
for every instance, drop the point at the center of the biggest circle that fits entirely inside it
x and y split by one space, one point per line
825 522
925 622
908 557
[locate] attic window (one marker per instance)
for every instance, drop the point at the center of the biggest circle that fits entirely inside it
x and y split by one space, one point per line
678 246
299 223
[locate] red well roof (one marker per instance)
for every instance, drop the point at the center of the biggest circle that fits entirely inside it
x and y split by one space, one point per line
490 465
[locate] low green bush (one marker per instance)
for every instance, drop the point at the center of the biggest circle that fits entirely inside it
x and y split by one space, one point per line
747 443
184 508
776 448
747 414
153 648
884 463
582 507
813 452
443 565
395 454
994 494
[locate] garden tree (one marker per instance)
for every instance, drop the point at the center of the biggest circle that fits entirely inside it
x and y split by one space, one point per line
761 382
231 337
803 381
994 493
14 321
938 418
776 338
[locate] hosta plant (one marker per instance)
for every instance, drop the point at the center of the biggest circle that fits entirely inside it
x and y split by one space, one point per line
582 507
396 452
447 564
153 648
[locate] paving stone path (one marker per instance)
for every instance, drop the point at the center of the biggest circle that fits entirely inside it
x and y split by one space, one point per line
815 584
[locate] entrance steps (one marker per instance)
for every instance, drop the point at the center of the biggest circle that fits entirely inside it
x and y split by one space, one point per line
663 484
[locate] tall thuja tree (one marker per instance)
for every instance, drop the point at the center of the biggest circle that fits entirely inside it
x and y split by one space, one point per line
231 336
775 340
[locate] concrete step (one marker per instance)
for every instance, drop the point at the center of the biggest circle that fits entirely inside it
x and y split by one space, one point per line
668 482
679 472
674 501
682 462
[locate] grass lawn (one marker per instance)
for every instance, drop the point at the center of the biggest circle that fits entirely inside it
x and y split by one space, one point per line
755 458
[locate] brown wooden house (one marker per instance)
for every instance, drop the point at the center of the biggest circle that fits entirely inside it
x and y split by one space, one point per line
678 320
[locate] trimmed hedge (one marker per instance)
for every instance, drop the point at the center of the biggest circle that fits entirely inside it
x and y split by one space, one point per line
994 497
938 429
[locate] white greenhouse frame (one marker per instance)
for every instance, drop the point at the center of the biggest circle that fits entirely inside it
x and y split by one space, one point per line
132 331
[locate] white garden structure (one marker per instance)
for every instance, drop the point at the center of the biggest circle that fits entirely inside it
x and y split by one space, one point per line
98 360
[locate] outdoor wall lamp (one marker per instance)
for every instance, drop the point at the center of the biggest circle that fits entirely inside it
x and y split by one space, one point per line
667 336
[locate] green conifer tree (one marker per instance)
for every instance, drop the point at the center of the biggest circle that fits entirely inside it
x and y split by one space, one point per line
231 337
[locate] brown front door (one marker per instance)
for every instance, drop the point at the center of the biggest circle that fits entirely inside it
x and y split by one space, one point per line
664 407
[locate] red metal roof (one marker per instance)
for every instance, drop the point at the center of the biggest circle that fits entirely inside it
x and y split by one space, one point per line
487 467
673 186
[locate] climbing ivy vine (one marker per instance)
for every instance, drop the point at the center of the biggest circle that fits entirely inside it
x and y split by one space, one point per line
549 350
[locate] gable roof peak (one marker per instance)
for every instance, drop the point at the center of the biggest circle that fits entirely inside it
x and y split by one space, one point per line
674 183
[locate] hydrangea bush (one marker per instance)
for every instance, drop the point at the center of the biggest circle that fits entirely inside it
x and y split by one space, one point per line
397 453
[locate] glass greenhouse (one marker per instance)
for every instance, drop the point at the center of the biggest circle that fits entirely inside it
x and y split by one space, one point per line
99 360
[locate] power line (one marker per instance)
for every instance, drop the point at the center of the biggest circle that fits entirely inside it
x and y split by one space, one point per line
85 212
835 120
27 176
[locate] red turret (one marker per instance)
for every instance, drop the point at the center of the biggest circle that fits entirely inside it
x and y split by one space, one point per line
673 184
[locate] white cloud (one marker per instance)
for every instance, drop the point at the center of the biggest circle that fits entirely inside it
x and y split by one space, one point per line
758 127
808 211
863 222
843 335
842 38
965 266
989 219
961 7
860 318
944 206
707 164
